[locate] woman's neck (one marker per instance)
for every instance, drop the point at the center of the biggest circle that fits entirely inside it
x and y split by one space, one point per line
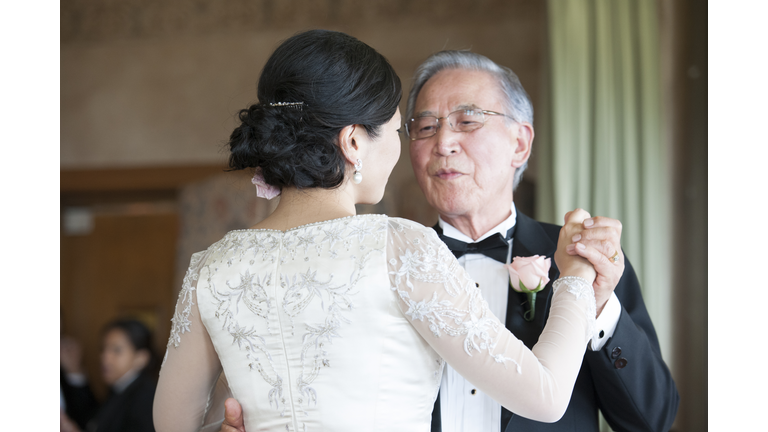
301 207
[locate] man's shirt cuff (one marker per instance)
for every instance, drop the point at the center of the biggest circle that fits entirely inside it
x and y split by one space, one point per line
606 323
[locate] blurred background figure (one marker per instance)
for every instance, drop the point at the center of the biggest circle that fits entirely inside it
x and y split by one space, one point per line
78 403
129 368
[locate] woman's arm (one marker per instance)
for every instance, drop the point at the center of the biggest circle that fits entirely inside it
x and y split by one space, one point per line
191 366
444 305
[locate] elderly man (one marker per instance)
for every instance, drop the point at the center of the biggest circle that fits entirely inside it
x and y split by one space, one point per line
470 129
471 133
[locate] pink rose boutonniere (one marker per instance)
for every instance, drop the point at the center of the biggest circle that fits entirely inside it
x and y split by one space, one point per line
525 273
263 190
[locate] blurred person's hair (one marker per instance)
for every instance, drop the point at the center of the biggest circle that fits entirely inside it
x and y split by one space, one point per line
139 337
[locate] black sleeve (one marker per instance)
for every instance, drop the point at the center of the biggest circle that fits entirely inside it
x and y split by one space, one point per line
81 404
633 385
139 416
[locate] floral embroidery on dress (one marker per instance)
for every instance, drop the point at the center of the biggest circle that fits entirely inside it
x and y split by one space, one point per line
306 240
299 293
180 322
333 234
470 318
300 290
251 291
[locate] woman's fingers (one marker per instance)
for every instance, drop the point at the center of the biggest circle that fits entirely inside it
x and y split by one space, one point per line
567 261
576 216
573 225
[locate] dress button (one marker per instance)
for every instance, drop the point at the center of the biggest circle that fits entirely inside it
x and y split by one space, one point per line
616 352
473 391
620 363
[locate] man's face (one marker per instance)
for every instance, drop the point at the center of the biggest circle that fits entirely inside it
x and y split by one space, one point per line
467 173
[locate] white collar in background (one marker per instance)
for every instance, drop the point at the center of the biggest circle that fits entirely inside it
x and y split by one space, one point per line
124 381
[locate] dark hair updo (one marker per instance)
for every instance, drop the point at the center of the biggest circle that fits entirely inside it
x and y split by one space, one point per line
341 81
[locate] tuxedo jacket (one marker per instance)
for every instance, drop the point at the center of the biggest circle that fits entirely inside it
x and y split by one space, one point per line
626 380
129 410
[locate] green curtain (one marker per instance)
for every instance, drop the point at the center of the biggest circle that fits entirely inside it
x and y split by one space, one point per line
602 143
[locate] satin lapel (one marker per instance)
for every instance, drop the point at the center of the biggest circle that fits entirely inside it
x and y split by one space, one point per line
530 239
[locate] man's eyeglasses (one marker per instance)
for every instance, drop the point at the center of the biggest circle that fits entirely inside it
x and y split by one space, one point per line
465 120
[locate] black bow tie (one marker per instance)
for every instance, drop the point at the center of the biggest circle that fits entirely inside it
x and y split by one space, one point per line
495 246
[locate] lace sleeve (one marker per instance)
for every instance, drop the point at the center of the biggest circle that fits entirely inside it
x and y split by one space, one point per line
190 367
444 305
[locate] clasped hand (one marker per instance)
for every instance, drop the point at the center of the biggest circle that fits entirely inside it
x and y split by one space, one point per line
597 241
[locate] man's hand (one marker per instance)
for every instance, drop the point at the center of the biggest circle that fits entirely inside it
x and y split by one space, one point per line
599 242
233 417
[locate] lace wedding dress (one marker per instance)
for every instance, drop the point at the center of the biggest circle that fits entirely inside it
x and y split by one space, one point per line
344 325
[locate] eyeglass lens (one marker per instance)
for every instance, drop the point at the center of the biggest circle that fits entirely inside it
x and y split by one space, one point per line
458 121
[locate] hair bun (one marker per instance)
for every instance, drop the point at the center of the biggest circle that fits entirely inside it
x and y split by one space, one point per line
313 85
259 124
268 137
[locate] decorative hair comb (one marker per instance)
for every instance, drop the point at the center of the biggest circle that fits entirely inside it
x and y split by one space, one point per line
298 105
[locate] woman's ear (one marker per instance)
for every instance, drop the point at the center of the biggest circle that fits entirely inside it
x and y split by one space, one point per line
354 143
349 143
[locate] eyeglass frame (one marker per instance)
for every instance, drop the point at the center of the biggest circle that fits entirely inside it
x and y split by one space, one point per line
437 121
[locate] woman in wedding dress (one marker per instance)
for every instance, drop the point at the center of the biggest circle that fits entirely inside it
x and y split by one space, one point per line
322 319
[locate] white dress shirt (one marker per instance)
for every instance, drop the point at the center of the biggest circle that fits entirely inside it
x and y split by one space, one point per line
463 408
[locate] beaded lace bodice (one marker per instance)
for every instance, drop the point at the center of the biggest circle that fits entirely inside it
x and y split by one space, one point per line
344 325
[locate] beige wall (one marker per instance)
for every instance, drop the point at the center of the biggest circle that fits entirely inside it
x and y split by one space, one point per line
162 95
150 86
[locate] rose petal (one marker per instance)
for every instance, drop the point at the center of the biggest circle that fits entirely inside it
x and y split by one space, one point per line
514 278
263 189
533 271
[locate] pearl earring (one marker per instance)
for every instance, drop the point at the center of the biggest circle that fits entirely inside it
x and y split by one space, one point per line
358 177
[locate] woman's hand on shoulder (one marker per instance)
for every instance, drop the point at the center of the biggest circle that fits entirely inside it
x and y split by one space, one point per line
573 265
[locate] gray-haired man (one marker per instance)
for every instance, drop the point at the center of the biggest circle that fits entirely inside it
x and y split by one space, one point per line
470 126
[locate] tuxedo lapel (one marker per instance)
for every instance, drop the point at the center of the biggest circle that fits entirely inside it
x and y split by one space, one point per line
530 239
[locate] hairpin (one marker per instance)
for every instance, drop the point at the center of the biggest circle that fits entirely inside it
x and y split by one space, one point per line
298 105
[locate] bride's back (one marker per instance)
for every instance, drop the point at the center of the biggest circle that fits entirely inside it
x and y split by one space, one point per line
302 317
308 330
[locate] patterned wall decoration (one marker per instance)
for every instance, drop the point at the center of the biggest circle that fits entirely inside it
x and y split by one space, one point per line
102 20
